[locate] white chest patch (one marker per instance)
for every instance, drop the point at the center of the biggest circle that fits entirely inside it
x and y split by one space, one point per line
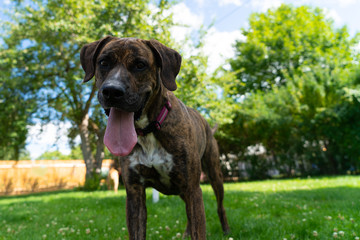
152 154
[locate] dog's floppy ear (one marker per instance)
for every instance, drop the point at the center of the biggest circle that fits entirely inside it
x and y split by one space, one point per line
88 55
169 61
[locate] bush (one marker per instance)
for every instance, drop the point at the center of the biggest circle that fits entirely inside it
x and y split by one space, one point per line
92 183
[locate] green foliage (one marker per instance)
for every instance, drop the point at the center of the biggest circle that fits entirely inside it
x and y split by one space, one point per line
16 105
92 183
24 155
198 88
75 153
287 41
57 155
295 87
52 155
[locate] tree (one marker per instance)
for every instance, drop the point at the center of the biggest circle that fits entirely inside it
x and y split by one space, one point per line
48 36
336 126
17 103
199 89
57 155
287 40
52 155
294 84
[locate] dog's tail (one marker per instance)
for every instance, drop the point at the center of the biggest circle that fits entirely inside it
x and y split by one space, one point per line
214 129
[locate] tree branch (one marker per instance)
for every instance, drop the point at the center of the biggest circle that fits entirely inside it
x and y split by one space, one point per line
88 102
94 126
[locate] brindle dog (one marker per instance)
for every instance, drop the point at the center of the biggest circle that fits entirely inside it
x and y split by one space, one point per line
135 79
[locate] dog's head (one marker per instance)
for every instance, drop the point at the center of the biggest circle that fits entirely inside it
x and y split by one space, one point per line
128 70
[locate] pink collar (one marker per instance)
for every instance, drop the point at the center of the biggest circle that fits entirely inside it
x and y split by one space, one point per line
155 125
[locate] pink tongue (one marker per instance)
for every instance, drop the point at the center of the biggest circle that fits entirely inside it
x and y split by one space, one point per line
120 135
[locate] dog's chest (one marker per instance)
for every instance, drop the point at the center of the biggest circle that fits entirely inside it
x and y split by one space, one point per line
151 156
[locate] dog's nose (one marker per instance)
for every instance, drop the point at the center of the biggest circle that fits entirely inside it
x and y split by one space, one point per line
110 91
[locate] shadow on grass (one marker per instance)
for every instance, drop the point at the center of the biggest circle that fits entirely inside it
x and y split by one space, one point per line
35 194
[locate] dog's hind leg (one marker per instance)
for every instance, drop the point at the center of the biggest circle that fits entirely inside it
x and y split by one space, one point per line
211 166
218 188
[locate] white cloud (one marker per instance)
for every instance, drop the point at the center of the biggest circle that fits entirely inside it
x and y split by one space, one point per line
219 46
345 3
200 2
340 3
182 15
333 14
264 5
50 137
229 2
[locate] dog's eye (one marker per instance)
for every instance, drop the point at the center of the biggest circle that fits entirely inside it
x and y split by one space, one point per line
104 63
140 66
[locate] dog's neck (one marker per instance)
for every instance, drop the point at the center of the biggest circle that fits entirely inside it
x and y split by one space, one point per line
153 107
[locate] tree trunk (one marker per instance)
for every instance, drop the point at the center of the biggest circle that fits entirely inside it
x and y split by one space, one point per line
99 150
86 148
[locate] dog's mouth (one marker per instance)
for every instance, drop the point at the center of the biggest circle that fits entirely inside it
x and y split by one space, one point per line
137 114
120 134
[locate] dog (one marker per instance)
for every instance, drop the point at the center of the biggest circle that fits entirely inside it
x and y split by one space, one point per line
162 143
112 179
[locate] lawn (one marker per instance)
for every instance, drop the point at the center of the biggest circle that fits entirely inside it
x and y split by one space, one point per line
321 208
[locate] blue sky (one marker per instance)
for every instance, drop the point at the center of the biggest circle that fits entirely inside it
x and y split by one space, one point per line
233 14
230 16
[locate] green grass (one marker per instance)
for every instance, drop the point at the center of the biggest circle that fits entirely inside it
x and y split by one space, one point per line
274 209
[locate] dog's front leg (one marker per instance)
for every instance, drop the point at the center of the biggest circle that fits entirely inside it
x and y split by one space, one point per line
195 213
136 212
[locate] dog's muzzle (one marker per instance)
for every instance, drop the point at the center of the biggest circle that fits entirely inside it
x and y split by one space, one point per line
112 92
116 95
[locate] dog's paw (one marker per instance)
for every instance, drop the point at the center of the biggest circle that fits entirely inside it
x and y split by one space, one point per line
227 232
186 234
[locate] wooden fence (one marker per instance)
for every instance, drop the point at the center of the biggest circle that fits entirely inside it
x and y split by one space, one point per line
19 177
